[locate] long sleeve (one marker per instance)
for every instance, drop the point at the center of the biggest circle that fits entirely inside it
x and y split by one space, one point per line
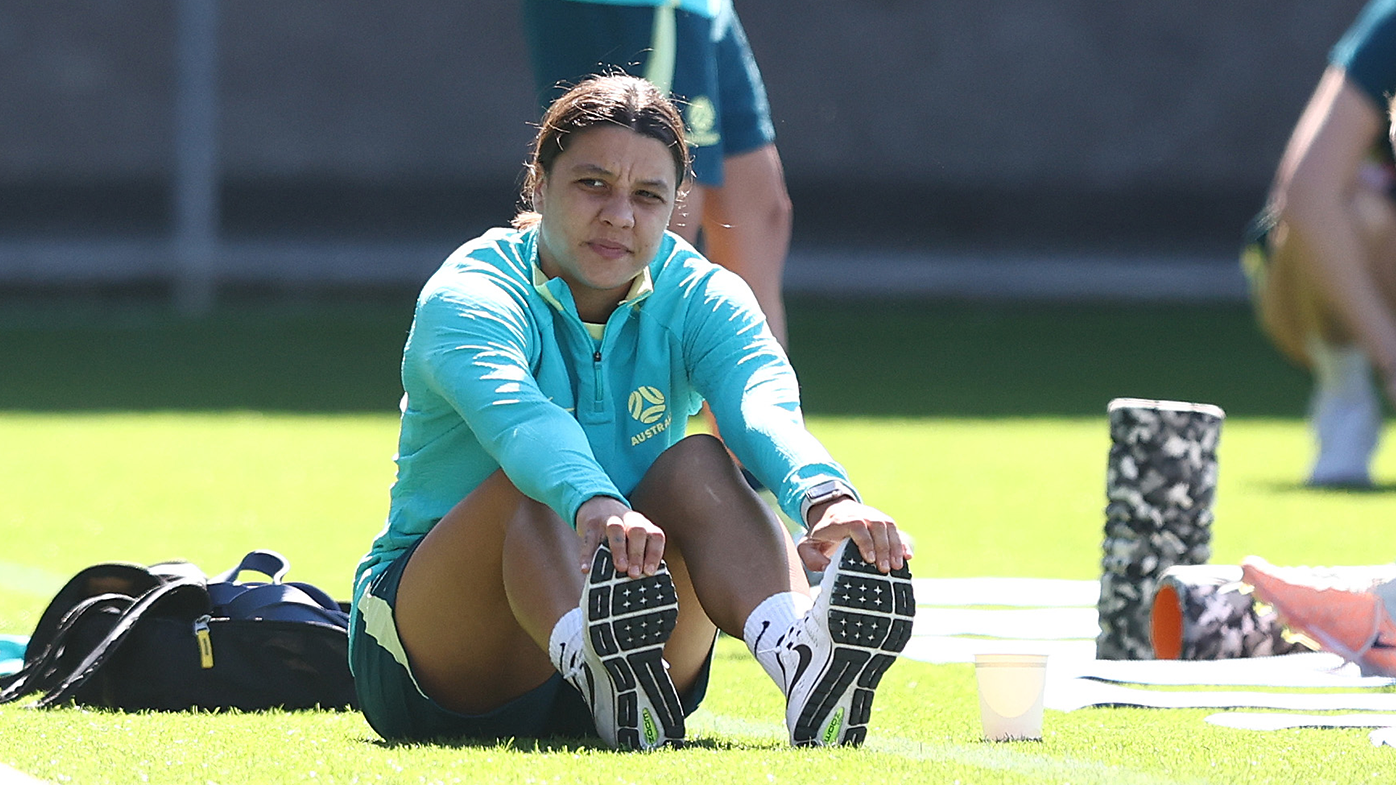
742 371
471 345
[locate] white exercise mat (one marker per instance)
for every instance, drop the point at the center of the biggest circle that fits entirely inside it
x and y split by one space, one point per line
1248 720
1307 669
1017 592
1072 694
1017 623
957 618
942 649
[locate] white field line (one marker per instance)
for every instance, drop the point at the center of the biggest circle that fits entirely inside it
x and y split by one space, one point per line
11 776
980 755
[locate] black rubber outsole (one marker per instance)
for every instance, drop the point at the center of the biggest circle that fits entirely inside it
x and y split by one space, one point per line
628 623
870 622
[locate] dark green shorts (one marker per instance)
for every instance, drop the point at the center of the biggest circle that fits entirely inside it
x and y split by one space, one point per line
714 75
398 710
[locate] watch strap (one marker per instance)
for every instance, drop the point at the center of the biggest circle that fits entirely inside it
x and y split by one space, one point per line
827 490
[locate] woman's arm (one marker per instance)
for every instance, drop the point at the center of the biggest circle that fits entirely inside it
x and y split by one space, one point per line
471 344
737 365
742 371
1313 193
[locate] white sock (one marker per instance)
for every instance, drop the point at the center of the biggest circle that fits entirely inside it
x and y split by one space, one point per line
764 627
1345 413
565 646
1340 370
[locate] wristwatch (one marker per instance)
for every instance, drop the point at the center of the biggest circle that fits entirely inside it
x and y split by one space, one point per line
826 491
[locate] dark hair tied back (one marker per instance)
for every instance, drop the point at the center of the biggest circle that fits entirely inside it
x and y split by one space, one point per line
626 101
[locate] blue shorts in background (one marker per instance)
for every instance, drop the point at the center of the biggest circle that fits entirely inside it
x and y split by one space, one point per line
706 64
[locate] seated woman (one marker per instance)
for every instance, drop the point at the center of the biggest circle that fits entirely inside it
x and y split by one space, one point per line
558 555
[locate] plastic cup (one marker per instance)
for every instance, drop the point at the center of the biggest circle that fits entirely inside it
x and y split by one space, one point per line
1010 695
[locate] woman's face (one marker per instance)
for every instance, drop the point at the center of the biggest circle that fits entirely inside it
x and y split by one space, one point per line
604 208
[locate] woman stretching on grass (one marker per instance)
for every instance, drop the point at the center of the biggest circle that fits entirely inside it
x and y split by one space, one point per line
558 556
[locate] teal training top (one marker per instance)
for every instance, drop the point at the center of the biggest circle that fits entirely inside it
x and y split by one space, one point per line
1367 52
499 371
1367 55
708 8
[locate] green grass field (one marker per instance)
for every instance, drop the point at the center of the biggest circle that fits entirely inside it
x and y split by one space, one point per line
129 434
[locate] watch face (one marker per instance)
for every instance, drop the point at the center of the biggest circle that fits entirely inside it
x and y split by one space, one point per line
825 491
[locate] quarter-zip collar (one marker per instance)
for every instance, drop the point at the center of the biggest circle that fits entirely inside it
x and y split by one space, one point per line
556 293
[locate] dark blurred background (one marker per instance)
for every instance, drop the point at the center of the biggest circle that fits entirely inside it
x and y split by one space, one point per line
352 144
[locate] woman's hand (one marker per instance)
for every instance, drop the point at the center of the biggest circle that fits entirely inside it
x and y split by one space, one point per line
873 532
636 543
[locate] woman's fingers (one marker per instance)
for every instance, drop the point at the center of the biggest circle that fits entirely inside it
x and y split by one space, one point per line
812 554
873 533
644 547
637 545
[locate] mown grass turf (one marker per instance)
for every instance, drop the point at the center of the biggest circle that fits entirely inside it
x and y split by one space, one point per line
133 435
861 357
926 730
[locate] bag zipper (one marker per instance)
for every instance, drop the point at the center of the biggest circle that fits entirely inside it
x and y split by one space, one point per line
205 642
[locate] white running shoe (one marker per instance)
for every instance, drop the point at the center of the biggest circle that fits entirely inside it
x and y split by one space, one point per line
622 675
833 658
1345 415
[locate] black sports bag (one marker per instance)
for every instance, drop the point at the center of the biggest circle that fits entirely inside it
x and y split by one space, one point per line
167 638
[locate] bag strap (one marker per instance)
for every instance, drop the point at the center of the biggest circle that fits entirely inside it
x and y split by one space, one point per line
283 602
178 568
267 562
44 669
318 595
186 597
295 601
132 580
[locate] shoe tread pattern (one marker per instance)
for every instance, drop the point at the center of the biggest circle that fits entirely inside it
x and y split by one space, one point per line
628 623
870 621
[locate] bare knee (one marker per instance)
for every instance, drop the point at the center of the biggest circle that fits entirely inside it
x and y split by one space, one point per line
690 484
694 456
1375 218
696 489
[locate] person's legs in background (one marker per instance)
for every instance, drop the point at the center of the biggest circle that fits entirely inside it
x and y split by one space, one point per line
1345 407
746 224
739 197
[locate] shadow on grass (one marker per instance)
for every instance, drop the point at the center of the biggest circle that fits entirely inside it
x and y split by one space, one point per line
1375 489
547 744
554 744
855 357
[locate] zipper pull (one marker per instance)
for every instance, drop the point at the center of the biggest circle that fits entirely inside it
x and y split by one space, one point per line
205 642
